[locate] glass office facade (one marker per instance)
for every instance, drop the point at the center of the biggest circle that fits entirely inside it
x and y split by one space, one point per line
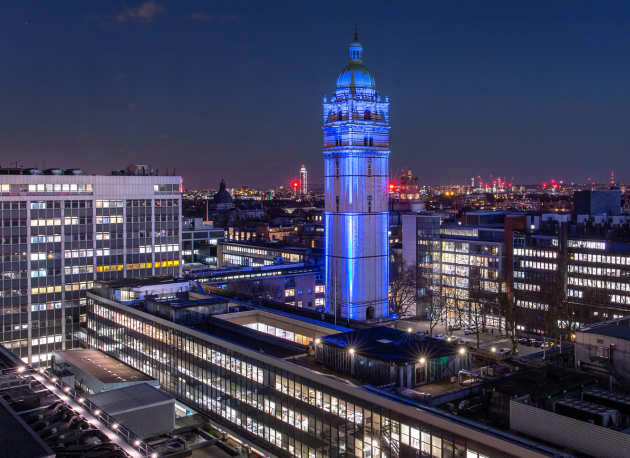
279 405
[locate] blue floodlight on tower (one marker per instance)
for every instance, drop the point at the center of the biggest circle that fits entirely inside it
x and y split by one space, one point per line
356 170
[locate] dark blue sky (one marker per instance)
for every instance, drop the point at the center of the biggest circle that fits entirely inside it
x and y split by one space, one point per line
531 89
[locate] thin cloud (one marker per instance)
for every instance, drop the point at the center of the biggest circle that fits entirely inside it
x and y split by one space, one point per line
205 17
145 12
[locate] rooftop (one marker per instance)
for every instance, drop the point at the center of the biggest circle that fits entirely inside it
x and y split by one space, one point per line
40 416
619 329
105 368
391 344
129 398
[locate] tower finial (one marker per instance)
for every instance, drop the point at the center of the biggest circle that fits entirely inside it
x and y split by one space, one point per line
356 33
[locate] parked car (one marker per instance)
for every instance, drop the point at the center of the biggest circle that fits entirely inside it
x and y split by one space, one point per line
454 327
468 331
523 340
504 351
546 345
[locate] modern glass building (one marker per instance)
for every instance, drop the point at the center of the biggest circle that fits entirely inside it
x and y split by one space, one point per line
61 232
460 270
262 389
356 171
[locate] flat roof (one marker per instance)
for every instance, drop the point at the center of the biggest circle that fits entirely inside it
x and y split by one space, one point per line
391 344
101 366
250 338
619 329
284 321
185 302
140 395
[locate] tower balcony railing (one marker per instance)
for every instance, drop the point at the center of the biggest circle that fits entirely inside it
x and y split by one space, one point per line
374 146
359 117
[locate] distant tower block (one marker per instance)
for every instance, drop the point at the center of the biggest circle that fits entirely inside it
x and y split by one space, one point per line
303 180
356 170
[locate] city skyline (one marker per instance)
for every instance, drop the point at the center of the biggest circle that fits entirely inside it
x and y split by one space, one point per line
476 88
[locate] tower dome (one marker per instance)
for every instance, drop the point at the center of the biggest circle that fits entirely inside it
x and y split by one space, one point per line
355 74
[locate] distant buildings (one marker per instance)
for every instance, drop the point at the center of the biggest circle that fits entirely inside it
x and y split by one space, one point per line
303 180
62 231
547 271
199 241
356 171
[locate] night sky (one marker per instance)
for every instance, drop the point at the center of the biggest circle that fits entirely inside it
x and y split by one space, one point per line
537 90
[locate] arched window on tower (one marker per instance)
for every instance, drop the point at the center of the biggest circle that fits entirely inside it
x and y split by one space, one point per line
365 141
369 167
339 115
369 199
371 141
367 115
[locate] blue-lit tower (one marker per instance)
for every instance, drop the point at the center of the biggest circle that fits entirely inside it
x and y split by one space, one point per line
356 170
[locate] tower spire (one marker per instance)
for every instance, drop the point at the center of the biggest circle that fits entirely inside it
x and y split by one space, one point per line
356 33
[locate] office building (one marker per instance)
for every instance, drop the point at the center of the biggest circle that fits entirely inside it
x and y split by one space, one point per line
257 254
199 242
567 275
356 170
257 377
460 270
61 232
297 285
597 202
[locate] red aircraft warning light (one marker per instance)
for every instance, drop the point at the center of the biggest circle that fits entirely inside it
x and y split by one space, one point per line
295 184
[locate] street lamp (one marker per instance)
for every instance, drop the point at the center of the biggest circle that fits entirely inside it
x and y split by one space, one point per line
462 350
493 349
351 351
422 360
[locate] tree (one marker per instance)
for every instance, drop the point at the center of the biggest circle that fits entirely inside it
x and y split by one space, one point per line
402 293
435 313
506 304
